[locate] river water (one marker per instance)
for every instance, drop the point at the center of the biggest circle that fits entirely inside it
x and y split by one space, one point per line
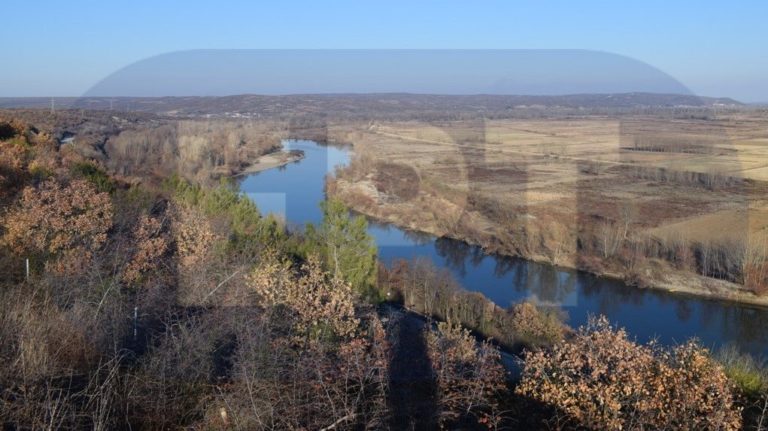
296 190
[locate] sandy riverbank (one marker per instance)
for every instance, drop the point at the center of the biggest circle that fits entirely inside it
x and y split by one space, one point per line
271 160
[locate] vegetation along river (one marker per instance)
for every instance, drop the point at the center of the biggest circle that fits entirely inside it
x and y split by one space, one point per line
296 190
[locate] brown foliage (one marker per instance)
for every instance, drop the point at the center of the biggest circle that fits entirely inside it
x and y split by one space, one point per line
75 357
535 326
319 301
278 385
53 359
600 379
754 265
432 292
13 161
67 223
151 243
196 150
469 376
193 235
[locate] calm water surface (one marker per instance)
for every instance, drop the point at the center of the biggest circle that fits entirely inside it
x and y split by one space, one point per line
295 191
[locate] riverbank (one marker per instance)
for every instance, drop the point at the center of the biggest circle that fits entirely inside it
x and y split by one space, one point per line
647 314
363 197
270 161
579 193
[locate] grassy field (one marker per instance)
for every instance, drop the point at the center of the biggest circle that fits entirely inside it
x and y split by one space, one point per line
646 198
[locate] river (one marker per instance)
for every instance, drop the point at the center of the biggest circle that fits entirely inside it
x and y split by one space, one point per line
295 191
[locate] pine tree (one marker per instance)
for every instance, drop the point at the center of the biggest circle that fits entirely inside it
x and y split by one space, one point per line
345 246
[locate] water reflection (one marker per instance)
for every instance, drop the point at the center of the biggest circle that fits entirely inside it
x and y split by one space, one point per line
646 314
455 254
410 237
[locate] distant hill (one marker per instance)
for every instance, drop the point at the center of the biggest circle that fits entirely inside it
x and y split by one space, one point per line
389 104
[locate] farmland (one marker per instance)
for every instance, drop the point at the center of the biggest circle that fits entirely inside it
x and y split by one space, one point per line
676 203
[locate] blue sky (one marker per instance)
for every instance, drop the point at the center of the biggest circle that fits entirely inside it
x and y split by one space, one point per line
63 48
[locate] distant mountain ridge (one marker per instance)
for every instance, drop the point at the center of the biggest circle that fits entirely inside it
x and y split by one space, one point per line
263 105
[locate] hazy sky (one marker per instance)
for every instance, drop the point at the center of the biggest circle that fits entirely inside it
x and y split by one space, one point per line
63 48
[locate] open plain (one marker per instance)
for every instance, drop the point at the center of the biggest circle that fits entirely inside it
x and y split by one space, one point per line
674 202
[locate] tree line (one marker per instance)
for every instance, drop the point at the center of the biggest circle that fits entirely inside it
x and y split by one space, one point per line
181 306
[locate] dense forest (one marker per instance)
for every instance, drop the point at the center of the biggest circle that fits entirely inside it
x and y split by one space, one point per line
175 304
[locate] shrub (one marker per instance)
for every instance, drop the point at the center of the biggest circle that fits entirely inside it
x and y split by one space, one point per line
534 326
13 162
600 379
174 378
275 384
233 214
192 234
749 374
469 376
323 305
151 243
428 290
64 223
94 175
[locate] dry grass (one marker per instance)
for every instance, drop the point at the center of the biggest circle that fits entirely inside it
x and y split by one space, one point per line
548 189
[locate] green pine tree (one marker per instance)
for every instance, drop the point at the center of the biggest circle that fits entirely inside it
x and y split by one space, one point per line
345 246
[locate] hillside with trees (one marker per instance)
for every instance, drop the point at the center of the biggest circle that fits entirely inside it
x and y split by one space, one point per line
173 303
